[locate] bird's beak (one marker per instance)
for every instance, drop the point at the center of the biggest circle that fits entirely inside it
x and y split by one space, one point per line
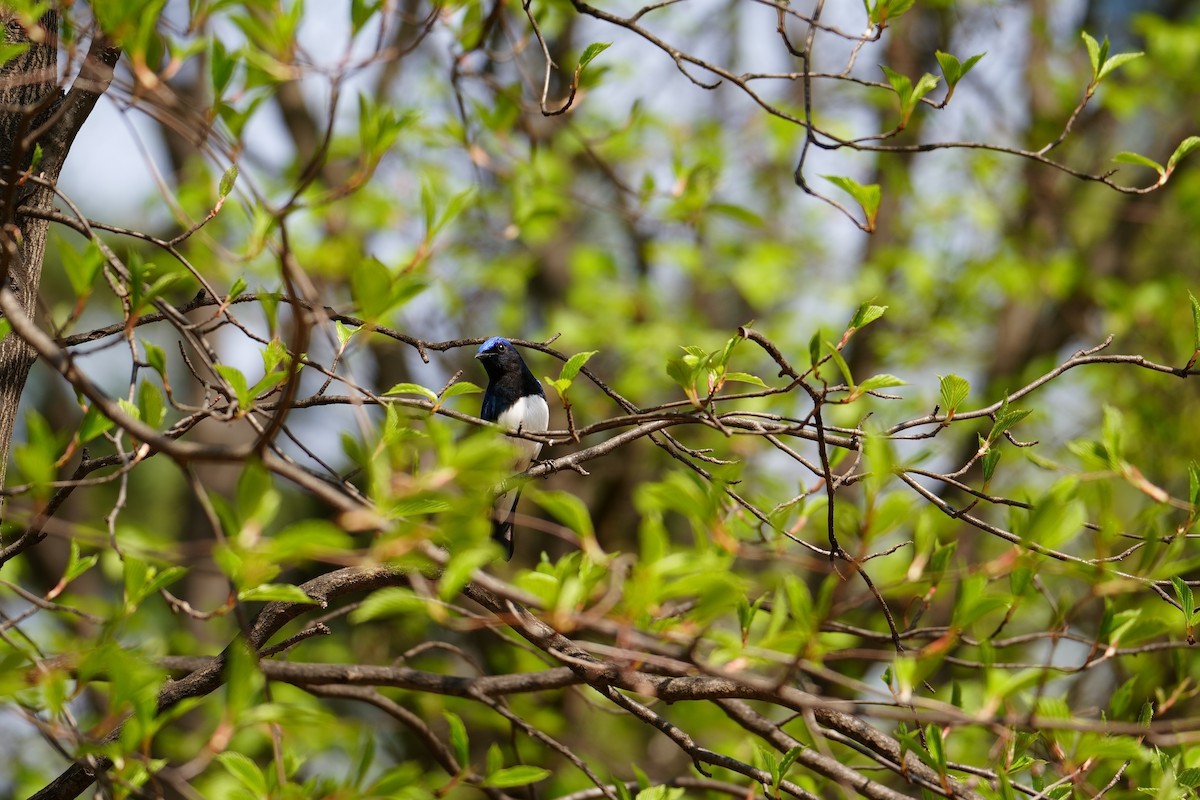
480 355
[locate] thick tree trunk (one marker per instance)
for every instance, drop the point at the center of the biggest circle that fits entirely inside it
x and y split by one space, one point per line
38 124
28 91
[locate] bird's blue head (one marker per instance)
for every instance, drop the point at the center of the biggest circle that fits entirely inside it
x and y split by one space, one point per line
494 346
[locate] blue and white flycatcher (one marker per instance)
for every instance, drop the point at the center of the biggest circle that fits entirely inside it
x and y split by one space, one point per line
514 400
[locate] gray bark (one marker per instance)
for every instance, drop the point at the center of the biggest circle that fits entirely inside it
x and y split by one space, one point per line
35 113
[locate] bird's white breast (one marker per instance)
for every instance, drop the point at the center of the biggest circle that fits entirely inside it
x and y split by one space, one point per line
530 414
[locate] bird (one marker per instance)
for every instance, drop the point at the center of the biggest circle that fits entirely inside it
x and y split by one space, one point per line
514 400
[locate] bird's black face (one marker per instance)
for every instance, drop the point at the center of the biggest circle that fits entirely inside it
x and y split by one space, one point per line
499 357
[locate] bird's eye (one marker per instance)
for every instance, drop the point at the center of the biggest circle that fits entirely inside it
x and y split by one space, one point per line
501 348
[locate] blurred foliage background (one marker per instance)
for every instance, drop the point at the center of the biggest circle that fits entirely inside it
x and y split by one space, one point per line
395 153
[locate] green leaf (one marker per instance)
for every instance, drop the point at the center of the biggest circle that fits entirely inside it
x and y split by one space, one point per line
901 84
868 197
953 393
10 50
1194 483
237 381
246 771
462 565
391 601
1094 54
361 11
276 592
882 381
1189 778
925 84
745 377
883 10
344 332
937 748
954 70
1184 594
453 208
990 459
155 357
82 268
129 408
1115 61
458 738
76 566
1126 157
460 387
1185 147
841 365
1195 321
371 288
1006 418
94 424
150 404
161 580
516 776
228 179
866 314
412 388
590 52
567 508
574 364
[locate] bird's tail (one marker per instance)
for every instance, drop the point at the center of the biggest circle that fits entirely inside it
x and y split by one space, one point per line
503 514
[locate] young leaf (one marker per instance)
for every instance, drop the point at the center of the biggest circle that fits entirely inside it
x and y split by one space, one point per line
237 381
94 424
1188 603
990 459
866 314
413 388
245 771
590 52
745 377
516 776
901 84
925 84
150 404
882 381
867 196
458 738
1194 483
76 566
344 332
155 357
1005 418
574 364
1094 53
276 592
841 365
953 394
1116 61
1186 146
461 387
1126 157
1185 596
227 181
1195 321
391 601
954 70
